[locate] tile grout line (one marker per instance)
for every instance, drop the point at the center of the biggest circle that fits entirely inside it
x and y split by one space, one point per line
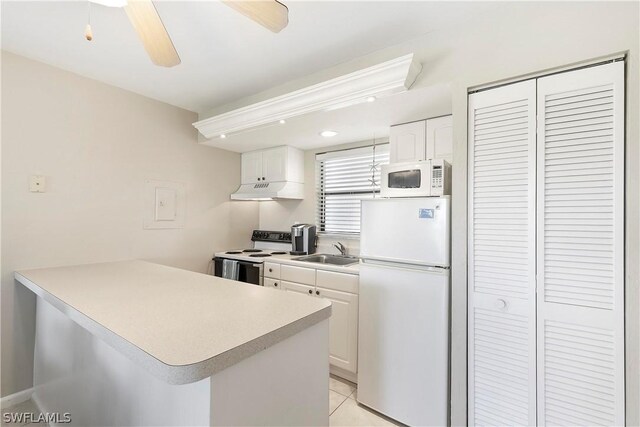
341 394
341 403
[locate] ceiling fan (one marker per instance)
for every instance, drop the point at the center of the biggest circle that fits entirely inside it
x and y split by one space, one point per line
144 17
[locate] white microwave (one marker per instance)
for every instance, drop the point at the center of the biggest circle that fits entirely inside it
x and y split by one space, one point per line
428 178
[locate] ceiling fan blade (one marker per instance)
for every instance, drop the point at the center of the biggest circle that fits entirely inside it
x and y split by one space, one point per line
271 14
147 23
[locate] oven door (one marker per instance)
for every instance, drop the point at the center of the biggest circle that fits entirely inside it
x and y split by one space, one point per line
406 180
248 272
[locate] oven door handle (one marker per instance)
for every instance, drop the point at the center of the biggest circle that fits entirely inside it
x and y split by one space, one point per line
250 264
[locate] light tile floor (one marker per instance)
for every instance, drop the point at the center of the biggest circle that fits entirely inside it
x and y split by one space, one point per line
344 410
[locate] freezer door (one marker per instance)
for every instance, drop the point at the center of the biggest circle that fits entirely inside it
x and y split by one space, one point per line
403 343
409 230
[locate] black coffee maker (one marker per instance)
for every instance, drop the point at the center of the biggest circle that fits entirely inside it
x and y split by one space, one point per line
303 239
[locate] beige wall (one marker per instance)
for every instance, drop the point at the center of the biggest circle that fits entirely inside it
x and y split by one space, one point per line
96 145
520 39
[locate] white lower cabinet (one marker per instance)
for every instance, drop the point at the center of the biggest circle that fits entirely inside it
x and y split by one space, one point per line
339 288
343 328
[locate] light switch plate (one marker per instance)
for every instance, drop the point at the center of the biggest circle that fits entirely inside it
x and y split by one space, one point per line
37 184
164 204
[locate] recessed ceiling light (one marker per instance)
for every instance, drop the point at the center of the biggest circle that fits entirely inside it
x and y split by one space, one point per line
371 99
283 122
223 136
328 133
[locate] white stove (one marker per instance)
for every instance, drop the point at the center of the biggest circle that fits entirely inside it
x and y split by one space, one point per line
245 265
253 255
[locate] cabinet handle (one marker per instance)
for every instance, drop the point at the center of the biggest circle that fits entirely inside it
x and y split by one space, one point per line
317 292
270 270
310 291
501 304
275 284
263 178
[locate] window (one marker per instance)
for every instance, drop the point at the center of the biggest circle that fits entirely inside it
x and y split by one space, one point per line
343 179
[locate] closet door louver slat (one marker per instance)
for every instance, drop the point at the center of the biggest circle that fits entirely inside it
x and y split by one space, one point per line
580 317
502 256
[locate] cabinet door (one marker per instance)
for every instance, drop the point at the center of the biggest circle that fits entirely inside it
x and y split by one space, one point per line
297 287
501 257
274 164
440 138
343 328
251 168
581 247
407 142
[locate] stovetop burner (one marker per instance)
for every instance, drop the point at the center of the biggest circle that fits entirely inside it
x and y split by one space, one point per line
259 255
252 250
278 253
233 252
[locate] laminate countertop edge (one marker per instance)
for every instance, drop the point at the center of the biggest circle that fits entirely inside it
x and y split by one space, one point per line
177 374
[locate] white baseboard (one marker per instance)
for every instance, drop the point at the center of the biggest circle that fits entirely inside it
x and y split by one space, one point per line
16 398
342 373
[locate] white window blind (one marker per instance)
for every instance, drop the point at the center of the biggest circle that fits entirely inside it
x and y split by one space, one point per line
344 178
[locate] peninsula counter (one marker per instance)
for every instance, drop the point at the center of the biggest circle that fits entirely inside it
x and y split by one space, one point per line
137 343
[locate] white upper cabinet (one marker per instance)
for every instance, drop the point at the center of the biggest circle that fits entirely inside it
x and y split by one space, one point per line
440 138
422 140
408 142
251 167
273 165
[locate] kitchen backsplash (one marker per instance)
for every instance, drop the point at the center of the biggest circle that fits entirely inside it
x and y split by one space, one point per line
325 245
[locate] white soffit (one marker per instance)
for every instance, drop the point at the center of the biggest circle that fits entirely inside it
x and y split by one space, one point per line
390 77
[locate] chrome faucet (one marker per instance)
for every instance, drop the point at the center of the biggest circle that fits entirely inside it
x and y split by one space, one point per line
340 247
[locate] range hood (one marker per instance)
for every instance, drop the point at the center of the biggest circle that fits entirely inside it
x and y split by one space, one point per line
269 191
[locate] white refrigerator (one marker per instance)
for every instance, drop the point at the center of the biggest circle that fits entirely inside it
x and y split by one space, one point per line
403 338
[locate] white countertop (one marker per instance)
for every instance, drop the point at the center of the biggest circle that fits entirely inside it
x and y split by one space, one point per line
182 326
291 260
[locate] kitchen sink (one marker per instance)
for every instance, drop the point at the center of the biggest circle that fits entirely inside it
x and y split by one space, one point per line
329 259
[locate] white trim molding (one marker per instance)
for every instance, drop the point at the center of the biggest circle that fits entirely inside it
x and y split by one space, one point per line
386 78
16 398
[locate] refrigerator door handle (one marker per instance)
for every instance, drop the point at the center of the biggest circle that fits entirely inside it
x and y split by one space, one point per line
404 266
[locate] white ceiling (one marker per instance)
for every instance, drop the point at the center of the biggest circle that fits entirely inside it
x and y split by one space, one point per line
225 56
356 123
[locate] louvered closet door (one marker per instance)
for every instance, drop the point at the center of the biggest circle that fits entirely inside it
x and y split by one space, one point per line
501 256
580 247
